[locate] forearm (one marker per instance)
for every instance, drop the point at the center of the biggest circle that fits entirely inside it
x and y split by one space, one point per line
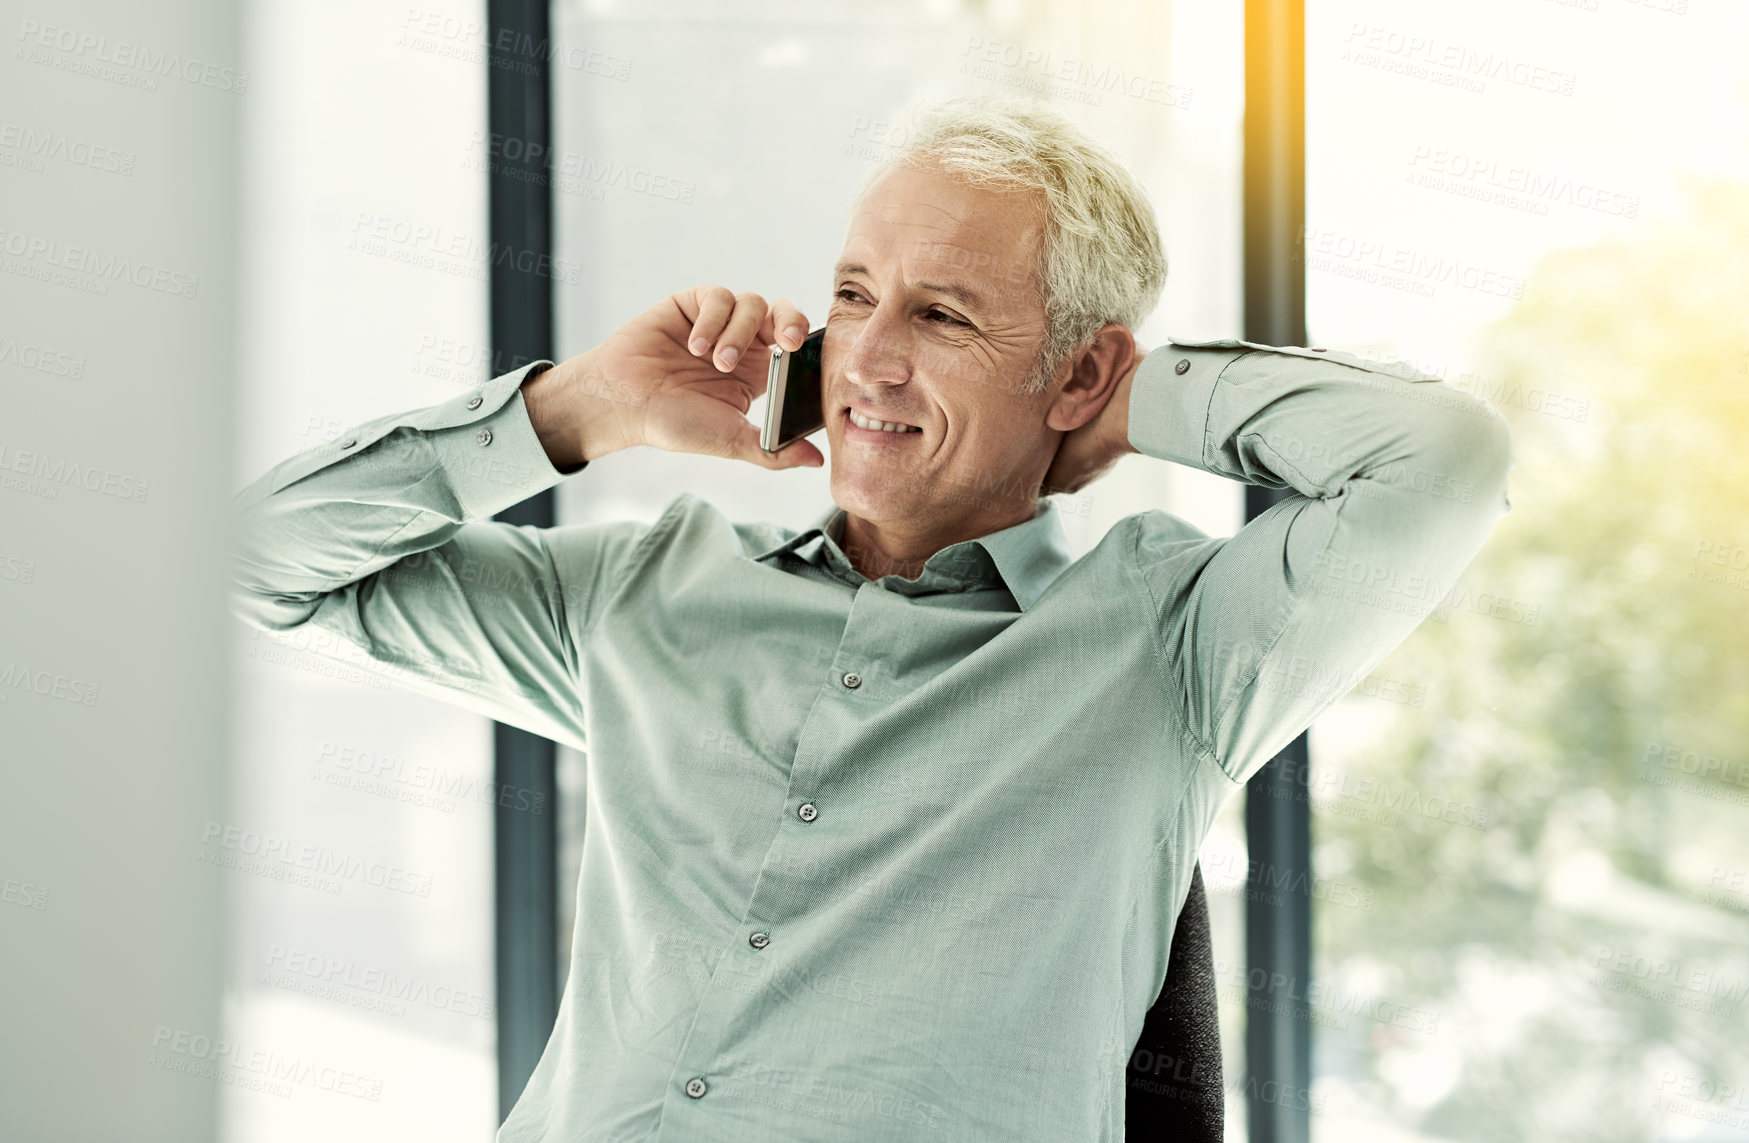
389 487
1312 424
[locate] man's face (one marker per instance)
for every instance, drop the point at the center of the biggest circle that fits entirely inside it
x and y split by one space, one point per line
936 321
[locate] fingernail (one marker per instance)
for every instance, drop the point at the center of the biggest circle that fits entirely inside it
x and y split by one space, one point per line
730 355
797 334
699 345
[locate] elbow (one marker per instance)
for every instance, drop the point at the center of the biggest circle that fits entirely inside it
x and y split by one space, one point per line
269 610
1464 456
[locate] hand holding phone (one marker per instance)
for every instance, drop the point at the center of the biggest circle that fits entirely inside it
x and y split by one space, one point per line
793 404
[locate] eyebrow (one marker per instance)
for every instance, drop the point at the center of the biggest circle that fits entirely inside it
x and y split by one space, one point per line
964 294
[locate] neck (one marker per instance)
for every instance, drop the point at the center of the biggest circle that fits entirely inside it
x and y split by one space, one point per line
902 547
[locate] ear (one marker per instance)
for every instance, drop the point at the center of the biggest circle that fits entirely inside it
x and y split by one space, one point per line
1089 376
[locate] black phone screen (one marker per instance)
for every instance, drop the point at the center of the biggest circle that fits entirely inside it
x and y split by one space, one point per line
801 413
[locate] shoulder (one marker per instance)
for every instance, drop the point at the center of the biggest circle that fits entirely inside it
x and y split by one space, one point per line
1299 357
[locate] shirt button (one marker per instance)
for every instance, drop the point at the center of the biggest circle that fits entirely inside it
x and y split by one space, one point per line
1183 365
759 940
807 812
695 1087
348 442
484 436
474 402
852 680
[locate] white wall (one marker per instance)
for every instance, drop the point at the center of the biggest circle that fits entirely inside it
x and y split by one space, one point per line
118 174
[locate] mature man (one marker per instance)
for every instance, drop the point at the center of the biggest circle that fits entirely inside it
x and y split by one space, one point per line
889 817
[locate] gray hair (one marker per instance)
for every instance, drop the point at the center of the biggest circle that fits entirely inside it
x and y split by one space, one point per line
1101 260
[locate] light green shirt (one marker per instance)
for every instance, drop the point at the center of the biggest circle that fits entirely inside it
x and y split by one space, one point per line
885 860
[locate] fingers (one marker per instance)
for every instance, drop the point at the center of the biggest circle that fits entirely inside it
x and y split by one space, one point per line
742 328
784 325
715 304
797 454
728 325
725 326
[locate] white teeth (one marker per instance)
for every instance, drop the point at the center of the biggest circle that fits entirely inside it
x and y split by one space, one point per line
863 422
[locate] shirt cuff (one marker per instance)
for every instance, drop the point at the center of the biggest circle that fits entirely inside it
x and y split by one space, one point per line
487 446
1170 397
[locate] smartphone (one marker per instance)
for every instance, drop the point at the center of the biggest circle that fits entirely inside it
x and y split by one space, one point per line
792 394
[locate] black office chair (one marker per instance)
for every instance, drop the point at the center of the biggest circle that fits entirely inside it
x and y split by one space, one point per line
1174 1089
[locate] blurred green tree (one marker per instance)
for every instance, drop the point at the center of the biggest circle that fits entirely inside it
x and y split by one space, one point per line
1584 950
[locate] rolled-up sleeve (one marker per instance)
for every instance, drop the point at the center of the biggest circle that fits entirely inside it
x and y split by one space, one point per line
383 540
1395 481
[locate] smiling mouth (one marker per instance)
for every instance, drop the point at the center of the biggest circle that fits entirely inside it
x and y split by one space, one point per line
891 428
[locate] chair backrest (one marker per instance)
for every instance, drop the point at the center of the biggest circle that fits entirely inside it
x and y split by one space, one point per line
1174 1090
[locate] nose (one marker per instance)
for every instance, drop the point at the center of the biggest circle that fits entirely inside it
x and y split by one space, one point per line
880 355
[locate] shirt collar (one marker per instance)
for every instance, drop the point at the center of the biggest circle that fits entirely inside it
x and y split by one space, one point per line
1026 557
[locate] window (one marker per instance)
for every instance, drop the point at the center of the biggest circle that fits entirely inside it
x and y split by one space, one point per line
1531 897
364 294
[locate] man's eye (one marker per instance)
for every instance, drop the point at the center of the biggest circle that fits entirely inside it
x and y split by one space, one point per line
849 295
947 317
